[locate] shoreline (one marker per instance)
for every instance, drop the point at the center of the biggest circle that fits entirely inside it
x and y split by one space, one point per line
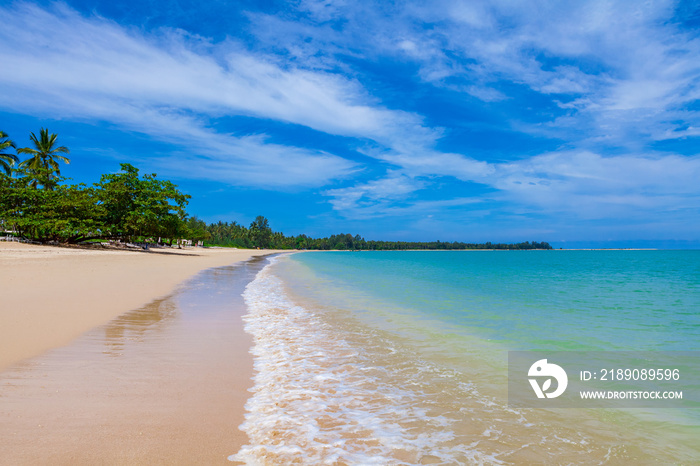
165 383
52 295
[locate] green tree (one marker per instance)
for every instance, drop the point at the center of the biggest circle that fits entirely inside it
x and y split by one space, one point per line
228 234
66 214
7 160
196 229
146 206
260 232
43 159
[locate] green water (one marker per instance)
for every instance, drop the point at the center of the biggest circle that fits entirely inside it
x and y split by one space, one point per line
527 300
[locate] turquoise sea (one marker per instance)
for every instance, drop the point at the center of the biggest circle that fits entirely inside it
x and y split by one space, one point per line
401 357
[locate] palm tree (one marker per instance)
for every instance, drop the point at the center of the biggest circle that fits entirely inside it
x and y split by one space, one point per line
45 157
7 161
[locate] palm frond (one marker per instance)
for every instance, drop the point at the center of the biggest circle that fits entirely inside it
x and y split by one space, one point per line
44 156
27 150
9 158
6 167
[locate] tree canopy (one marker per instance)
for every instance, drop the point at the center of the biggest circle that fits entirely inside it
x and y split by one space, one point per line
121 206
143 206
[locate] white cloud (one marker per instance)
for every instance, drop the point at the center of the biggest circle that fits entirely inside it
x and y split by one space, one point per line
241 160
432 163
486 94
375 196
623 72
391 196
588 186
581 185
250 161
323 10
627 65
474 14
61 64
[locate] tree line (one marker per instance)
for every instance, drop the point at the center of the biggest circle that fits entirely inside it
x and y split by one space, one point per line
260 235
37 204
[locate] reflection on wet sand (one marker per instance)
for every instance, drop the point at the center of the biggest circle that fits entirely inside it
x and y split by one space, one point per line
136 325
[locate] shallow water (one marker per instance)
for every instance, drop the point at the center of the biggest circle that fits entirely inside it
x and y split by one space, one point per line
400 357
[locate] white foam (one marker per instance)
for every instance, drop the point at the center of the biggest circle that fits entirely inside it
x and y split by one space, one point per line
318 400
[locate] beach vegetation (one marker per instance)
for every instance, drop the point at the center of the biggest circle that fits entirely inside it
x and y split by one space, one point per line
141 206
62 214
43 159
197 229
227 234
236 235
7 159
121 206
260 232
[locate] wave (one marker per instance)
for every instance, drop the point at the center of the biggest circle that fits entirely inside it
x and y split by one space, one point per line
318 399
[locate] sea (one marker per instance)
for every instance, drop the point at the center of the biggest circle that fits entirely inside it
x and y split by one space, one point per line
401 357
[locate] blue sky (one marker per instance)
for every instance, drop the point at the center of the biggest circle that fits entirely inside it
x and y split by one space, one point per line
575 123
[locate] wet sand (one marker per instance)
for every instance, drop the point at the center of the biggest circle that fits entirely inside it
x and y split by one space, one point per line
164 384
49 296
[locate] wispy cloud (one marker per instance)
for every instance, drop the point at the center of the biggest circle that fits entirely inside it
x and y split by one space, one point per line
375 196
619 70
169 85
592 186
579 185
626 70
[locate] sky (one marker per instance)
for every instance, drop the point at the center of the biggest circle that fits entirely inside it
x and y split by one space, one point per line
575 123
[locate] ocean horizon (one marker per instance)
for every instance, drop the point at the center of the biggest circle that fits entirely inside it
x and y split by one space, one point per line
401 357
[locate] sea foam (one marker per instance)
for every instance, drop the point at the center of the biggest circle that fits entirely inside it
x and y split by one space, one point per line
318 399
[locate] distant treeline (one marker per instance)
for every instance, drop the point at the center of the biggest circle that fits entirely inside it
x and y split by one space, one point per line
36 204
259 234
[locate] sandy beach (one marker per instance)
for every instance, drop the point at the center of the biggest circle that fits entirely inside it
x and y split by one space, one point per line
122 357
51 295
